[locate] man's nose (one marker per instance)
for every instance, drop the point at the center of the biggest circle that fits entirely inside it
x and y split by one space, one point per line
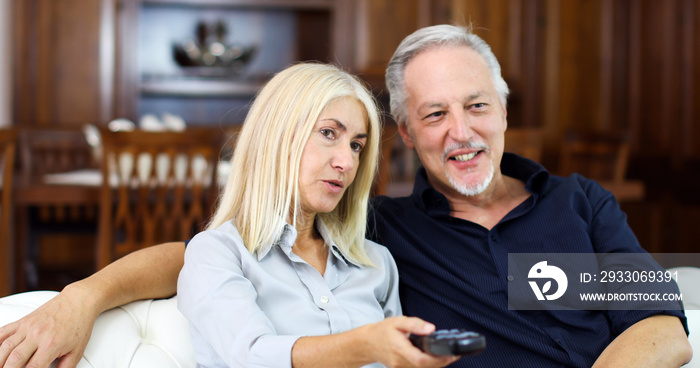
460 129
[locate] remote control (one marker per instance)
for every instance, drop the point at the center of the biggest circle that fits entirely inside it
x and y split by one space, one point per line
450 342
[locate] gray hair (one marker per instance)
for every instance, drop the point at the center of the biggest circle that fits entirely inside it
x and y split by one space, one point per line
424 39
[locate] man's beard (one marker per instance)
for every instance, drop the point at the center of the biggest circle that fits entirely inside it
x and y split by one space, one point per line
474 189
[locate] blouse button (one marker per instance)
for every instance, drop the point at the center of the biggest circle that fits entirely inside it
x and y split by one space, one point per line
324 299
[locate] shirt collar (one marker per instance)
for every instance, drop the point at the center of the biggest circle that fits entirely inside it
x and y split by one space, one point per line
289 236
534 175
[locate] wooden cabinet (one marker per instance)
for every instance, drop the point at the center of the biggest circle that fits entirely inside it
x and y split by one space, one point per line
279 32
90 61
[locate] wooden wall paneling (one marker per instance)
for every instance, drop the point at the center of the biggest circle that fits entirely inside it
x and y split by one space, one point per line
18 48
690 81
510 67
634 75
107 59
617 31
312 44
126 75
382 26
25 59
346 17
695 77
427 10
580 55
534 25
440 12
59 55
46 49
672 78
607 43
550 101
69 74
658 112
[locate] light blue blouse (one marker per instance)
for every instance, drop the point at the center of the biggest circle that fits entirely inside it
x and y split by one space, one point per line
247 310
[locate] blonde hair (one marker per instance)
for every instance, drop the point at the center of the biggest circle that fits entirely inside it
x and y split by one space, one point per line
263 184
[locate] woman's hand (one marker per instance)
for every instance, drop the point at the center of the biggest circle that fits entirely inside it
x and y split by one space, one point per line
385 342
59 329
393 348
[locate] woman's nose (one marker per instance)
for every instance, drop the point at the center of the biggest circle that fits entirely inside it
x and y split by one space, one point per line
343 159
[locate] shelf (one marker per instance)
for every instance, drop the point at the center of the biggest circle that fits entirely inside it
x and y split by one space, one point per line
200 88
277 4
283 32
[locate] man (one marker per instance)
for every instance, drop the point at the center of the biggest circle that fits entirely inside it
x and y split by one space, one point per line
471 206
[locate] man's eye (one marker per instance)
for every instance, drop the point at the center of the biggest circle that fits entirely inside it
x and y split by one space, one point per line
479 106
356 146
436 114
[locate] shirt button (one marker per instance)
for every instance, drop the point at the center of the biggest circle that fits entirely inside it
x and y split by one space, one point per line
324 299
493 237
511 278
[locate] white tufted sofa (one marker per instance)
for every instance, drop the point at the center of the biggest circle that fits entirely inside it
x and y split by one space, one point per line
153 333
146 333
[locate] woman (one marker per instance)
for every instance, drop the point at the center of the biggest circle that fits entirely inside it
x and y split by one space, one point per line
284 276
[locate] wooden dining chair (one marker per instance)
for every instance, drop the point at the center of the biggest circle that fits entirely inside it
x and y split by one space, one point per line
602 156
8 143
44 151
53 150
55 224
157 187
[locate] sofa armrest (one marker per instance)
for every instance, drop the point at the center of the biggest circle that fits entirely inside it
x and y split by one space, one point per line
145 333
688 280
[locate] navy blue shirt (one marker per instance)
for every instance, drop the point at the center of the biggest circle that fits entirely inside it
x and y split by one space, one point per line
453 272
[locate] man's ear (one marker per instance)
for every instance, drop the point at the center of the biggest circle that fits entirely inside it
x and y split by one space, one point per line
405 136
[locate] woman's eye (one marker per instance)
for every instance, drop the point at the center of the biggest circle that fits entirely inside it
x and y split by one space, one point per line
328 133
356 146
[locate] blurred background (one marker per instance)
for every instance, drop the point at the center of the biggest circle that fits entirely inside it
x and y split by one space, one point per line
618 79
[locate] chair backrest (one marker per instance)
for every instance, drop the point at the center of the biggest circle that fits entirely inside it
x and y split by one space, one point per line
50 150
599 155
157 187
8 143
53 150
526 142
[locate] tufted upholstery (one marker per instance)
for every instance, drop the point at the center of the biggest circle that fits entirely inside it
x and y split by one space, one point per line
688 280
146 333
153 333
